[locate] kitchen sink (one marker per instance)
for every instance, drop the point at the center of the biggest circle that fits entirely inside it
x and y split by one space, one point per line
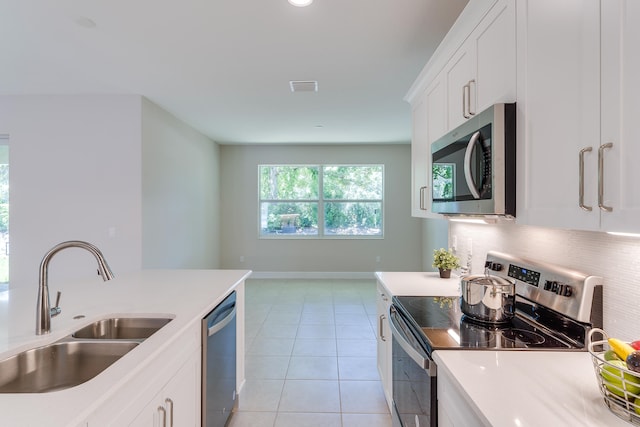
122 328
59 365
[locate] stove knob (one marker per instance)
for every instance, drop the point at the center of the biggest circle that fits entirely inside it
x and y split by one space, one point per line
554 287
547 285
560 290
495 266
568 291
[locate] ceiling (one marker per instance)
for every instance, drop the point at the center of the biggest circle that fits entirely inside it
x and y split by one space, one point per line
224 66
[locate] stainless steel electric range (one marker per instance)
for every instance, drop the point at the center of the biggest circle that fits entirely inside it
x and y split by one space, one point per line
554 310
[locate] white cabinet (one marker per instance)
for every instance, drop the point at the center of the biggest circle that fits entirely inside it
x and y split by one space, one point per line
453 410
428 118
620 109
483 70
175 404
166 389
558 111
577 165
475 74
384 342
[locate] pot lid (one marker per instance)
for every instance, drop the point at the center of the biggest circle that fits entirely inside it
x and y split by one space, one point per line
487 279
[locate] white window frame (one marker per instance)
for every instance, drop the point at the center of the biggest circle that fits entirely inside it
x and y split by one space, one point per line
321 202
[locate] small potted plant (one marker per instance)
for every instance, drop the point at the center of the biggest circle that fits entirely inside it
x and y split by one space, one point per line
445 261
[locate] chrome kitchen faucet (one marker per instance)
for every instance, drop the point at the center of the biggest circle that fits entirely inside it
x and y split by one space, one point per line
44 312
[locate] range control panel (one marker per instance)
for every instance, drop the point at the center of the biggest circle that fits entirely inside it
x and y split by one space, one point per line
567 291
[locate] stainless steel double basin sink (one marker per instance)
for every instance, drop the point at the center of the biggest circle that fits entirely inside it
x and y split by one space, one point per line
76 358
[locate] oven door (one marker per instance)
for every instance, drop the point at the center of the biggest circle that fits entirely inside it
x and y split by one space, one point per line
413 377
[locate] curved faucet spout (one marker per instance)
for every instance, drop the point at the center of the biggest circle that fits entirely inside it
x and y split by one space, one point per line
44 311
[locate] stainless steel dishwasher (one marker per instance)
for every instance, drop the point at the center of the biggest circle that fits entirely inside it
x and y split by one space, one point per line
219 363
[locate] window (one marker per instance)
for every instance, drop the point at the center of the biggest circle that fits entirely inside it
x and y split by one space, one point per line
321 200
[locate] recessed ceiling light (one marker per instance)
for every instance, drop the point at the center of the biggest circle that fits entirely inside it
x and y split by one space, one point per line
301 3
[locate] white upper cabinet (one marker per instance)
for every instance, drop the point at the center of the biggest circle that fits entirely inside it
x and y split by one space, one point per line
473 68
620 109
558 112
429 122
483 71
495 55
577 161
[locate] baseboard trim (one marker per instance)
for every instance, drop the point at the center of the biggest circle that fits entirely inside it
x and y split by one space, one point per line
312 275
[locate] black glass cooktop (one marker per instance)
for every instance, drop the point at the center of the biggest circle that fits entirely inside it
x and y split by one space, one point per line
442 325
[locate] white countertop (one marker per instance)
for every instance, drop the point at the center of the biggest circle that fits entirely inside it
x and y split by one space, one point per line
185 295
529 388
418 284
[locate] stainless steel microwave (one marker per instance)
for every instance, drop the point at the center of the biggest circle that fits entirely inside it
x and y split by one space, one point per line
474 165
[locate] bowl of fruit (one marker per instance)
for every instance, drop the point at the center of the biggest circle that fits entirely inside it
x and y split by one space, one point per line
617 367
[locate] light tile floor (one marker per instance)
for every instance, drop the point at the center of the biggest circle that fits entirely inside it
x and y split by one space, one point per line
311 355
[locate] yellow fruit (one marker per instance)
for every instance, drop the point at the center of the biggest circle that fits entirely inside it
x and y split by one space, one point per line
636 405
622 349
613 373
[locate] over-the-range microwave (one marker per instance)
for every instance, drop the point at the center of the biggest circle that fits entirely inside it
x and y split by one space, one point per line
474 165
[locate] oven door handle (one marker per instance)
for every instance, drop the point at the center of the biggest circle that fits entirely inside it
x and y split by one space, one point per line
467 165
417 356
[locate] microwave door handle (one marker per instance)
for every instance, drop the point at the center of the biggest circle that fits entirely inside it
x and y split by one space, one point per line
467 165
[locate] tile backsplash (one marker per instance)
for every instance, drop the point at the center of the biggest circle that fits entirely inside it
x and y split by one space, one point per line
615 258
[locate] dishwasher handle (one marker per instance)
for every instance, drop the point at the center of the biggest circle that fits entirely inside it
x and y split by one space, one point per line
219 325
421 358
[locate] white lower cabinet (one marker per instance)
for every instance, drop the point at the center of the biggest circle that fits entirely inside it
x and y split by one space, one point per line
384 342
175 404
163 393
453 411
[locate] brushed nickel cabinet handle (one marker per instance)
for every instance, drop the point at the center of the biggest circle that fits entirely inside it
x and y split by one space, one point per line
162 413
422 207
466 94
380 326
471 113
601 204
581 180
169 404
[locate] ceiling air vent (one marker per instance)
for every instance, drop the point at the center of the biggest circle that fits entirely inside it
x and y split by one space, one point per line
303 86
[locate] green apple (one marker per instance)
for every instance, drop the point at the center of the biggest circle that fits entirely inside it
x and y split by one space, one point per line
613 372
611 355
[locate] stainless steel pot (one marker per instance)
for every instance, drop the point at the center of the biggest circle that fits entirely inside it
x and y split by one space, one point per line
488 298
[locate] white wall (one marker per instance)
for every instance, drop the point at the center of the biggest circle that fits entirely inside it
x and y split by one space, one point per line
434 236
180 194
399 250
615 258
116 171
75 174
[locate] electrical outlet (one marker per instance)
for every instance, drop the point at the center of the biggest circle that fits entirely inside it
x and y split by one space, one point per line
241 258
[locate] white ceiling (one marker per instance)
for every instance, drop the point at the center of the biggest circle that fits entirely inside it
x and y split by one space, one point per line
224 66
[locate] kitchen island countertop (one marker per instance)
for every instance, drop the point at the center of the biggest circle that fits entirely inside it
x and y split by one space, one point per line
184 295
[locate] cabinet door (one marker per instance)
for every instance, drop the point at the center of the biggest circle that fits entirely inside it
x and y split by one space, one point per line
176 404
460 78
495 45
620 109
436 97
420 161
384 343
558 111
